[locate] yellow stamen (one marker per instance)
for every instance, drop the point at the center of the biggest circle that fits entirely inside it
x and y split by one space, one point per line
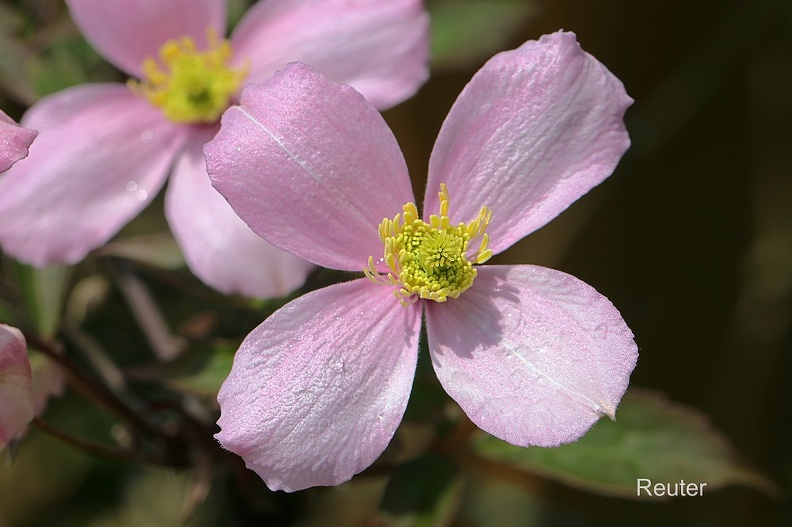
430 260
190 85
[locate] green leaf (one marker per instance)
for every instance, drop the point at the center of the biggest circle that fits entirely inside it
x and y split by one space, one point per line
468 31
424 492
202 371
652 438
43 291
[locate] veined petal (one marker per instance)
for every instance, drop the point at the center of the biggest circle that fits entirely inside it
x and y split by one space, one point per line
16 393
14 141
535 129
125 32
317 391
86 176
532 355
311 167
219 247
379 48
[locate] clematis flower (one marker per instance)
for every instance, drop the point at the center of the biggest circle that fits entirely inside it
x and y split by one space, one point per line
16 392
105 150
532 355
15 141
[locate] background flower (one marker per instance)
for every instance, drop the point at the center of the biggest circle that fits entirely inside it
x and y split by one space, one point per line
16 393
105 150
532 355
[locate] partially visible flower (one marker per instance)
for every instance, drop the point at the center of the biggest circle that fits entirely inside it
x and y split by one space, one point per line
532 355
16 392
15 141
106 149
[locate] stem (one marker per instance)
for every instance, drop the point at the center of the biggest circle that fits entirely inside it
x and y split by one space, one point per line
165 345
91 390
97 449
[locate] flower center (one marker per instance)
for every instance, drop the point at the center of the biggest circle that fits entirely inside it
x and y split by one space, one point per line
190 86
431 260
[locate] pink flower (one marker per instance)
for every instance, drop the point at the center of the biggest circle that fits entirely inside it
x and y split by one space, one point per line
105 149
532 355
14 142
16 392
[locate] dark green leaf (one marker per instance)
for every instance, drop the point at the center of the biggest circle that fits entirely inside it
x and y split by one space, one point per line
201 372
423 492
652 439
467 31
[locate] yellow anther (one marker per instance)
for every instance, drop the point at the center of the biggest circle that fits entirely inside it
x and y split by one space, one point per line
430 260
190 85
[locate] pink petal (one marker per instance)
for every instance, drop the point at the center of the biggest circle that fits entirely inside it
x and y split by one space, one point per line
311 167
86 176
379 48
16 393
218 246
14 141
535 129
317 390
128 31
532 355
65 105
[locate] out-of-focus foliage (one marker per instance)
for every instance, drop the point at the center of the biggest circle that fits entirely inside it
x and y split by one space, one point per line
424 492
43 294
158 249
468 31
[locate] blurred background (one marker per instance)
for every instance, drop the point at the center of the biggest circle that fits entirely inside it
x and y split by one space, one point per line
691 238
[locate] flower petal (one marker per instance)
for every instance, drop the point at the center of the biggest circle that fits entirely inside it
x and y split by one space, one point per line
125 32
16 392
379 48
15 141
532 355
311 167
219 247
317 390
86 176
535 129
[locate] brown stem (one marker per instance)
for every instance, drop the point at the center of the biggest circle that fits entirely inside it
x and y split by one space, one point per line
85 386
97 449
